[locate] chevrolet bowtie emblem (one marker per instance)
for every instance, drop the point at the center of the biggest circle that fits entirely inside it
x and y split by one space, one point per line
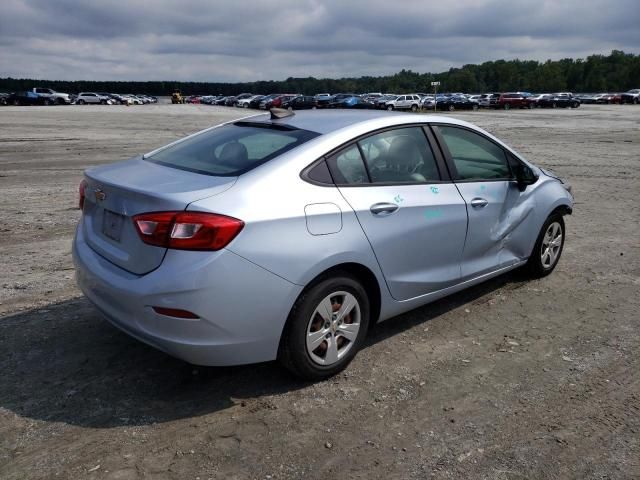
100 195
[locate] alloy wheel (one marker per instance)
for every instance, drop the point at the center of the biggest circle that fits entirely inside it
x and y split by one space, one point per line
551 245
333 328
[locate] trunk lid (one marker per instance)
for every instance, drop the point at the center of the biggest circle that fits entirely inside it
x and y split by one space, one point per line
115 193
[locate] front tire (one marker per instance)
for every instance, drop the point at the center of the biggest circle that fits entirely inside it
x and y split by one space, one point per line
507 106
390 107
325 329
548 248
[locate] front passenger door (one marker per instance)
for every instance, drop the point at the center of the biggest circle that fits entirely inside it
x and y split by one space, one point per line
500 215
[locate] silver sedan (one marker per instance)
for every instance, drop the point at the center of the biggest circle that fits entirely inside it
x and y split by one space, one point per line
286 236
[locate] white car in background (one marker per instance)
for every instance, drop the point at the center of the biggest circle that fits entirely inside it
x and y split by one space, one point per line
404 102
428 102
133 100
91 97
244 102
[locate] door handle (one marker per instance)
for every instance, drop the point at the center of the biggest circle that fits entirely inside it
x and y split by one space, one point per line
383 209
479 202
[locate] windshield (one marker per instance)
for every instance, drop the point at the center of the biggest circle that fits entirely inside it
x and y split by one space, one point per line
231 150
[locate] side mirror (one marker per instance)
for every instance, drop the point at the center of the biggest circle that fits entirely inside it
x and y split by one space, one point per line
524 176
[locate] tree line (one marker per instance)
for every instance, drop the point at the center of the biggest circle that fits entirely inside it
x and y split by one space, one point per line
616 72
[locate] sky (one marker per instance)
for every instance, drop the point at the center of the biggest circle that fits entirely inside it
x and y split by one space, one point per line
238 40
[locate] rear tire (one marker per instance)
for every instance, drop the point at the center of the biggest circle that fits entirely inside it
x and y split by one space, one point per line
548 248
319 311
414 108
507 106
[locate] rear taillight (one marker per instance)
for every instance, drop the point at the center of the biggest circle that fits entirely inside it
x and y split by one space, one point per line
81 189
187 230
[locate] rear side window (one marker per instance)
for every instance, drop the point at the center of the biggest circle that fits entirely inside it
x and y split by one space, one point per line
231 150
474 157
347 167
400 156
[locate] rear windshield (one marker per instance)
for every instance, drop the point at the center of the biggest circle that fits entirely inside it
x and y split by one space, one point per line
232 149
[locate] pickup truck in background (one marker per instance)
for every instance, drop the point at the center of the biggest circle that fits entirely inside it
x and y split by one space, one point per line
51 97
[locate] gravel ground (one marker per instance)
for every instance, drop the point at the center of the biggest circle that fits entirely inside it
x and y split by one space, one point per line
508 380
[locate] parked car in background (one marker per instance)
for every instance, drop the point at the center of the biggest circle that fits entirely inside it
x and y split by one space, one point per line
300 102
379 103
566 99
404 102
610 98
428 102
458 102
510 100
115 99
323 100
25 98
51 96
240 97
534 100
255 102
354 101
585 98
209 264
92 98
489 100
133 100
337 99
632 96
276 102
245 101
268 101
601 98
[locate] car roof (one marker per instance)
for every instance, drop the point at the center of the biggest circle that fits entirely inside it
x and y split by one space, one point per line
327 121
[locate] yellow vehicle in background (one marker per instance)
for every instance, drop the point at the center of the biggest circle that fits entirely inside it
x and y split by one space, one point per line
177 97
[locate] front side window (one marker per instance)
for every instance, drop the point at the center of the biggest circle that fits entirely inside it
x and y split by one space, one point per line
474 157
232 149
400 156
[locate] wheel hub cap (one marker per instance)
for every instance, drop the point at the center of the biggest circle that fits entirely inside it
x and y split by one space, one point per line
333 328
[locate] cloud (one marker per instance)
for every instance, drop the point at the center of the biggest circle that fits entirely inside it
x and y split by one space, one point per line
204 40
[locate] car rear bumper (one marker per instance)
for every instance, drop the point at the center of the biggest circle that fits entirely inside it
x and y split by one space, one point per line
242 308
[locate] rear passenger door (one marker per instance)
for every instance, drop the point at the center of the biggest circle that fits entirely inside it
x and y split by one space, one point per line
410 211
500 216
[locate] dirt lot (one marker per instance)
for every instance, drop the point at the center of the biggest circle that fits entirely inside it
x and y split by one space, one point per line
509 380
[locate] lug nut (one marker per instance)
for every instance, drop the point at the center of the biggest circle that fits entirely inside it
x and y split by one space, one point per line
328 335
327 325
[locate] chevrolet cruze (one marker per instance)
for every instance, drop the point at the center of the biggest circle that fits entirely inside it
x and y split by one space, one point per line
286 236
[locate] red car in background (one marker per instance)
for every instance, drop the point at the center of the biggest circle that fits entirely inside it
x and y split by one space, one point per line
513 100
